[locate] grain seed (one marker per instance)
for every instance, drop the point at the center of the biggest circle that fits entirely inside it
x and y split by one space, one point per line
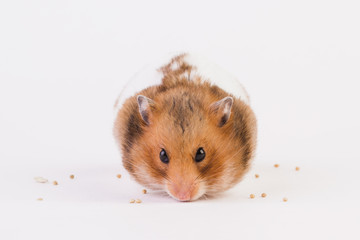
40 180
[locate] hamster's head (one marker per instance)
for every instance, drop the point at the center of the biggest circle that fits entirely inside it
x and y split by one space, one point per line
191 146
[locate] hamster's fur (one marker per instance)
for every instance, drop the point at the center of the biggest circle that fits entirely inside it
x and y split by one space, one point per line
186 117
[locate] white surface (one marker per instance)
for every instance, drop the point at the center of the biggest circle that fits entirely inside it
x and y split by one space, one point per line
63 63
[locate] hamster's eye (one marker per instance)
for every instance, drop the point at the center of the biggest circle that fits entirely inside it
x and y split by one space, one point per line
200 155
163 156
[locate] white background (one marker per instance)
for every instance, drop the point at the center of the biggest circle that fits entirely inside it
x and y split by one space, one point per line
62 64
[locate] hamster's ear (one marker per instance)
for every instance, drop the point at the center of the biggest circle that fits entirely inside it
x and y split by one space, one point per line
145 107
222 110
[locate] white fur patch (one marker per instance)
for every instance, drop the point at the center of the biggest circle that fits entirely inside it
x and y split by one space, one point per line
201 191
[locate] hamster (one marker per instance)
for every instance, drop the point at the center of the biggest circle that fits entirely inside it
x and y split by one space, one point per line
186 128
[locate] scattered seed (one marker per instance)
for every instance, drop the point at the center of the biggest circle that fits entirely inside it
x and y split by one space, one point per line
297 168
276 165
40 180
72 176
257 175
132 200
39 199
118 176
252 196
138 201
55 182
144 191
263 195
285 199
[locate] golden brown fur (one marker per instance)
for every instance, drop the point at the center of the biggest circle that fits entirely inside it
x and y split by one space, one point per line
183 118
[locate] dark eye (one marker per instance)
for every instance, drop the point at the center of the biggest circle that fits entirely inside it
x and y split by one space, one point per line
163 156
200 155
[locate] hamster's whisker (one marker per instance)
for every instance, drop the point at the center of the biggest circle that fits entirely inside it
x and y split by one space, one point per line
208 167
204 196
230 158
163 174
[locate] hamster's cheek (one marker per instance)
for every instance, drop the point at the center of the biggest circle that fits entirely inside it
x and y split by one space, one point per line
145 178
200 192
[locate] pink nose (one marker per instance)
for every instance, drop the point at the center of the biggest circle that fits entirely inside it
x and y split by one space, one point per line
183 195
180 192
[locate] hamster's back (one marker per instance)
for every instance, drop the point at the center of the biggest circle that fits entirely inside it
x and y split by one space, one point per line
191 66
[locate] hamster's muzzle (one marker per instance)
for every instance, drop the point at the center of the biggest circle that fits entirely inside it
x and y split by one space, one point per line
184 191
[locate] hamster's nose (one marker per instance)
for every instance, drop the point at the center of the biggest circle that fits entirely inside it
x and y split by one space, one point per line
184 196
181 192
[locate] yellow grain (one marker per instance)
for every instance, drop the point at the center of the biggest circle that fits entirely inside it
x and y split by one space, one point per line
40 180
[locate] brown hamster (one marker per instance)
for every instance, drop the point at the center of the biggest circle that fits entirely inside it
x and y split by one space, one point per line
184 134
